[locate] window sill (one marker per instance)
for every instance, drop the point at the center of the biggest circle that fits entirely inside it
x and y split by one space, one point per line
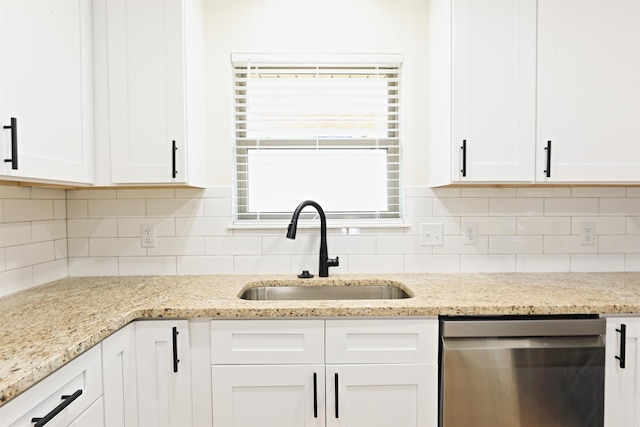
348 227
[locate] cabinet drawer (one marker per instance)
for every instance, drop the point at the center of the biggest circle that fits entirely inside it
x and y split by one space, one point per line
267 341
382 341
83 373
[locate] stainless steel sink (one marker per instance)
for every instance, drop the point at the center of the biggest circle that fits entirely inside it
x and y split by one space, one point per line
324 292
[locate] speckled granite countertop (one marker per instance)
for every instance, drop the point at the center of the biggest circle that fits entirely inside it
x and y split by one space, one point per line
43 328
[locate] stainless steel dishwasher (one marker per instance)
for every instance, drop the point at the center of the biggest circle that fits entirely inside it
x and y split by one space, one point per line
522 372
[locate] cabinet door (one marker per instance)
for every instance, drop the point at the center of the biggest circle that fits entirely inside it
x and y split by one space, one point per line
146 90
94 416
46 85
622 385
163 372
382 395
268 396
589 90
119 373
494 81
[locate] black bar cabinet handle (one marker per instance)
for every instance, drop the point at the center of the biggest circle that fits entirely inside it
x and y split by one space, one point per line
66 401
623 345
174 148
548 170
315 395
175 349
335 380
14 143
464 157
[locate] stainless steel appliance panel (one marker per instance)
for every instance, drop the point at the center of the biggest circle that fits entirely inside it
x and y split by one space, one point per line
511 381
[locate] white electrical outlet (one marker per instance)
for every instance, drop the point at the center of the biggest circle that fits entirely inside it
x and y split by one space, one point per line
588 234
148 235
431 234
469 233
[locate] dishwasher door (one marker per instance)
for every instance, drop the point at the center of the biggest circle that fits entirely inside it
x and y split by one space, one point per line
522 381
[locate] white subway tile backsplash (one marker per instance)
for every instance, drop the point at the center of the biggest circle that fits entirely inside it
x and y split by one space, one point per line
618 244
97 232
190 265
202 226
48 230
515 206
487 263
131 227
29 254
597 262
469 206
515 244
543 226
117 208
265 264
431 263
177 246
620 206
94 266
603 224
567 245
17 233
156 193
3 266
571 206
542 263
244 245
543 192
116 246
175 207
147 266
376 264
220 207
16 210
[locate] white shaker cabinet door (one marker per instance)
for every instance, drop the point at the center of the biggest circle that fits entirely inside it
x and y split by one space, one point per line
119 383
268 395
163 372
588 91
46 101
493 90
382 395
622 372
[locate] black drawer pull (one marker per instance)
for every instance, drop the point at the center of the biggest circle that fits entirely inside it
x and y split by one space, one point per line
175 349
464 157
14 143
623 345
315 395
335 380
66 401
548 170
174 147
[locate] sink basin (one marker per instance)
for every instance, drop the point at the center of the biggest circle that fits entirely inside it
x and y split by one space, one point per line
289 292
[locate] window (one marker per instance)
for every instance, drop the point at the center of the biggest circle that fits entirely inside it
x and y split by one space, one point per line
324 130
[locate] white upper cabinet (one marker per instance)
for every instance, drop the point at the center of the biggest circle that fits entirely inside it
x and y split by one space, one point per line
155 91
589 90
525 91
46 91
482 91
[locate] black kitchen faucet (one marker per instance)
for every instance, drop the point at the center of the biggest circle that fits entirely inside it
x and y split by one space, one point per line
325 261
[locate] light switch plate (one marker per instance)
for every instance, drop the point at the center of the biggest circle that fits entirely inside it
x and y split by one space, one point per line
431 234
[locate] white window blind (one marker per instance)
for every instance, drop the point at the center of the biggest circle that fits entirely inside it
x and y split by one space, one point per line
325 130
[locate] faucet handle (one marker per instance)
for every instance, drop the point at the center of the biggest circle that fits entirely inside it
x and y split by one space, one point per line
333 262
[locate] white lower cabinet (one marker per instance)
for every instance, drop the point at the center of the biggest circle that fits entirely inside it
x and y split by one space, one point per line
622 372
119 378
163 373
372 372
71 396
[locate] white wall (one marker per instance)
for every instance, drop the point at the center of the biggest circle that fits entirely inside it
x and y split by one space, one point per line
316 26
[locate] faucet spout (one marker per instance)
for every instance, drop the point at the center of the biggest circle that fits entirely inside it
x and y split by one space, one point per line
325 261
